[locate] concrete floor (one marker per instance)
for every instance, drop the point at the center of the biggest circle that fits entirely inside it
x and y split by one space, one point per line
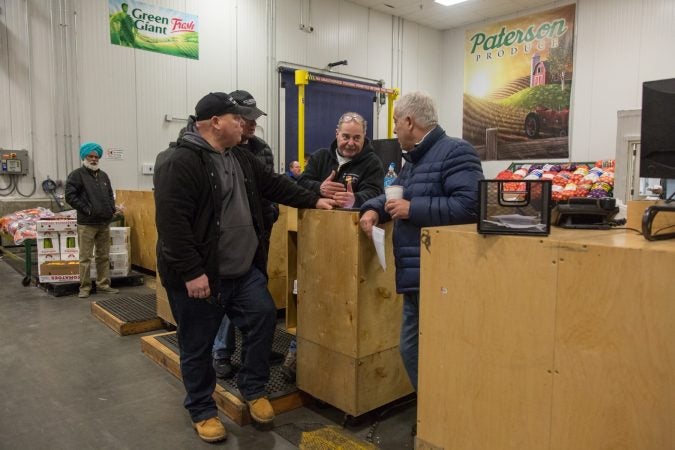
68 381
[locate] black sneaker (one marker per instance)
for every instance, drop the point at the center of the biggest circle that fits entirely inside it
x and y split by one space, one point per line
276 358
223 368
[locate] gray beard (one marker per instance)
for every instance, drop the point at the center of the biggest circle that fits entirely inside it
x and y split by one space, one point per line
89 165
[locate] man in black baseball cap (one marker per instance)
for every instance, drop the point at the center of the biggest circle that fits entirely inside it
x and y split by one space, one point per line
212 253
244 98
220 103
224 344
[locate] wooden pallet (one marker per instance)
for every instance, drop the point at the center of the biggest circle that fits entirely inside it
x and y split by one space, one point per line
230 405
122 327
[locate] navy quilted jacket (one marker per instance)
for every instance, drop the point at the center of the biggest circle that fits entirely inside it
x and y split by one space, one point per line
440 178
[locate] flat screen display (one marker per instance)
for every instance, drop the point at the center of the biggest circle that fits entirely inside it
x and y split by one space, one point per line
389 151
657 147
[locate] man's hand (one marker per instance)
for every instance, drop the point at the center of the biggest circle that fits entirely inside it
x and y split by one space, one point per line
345 199
329 187
199 287
325 203
398 209
368 220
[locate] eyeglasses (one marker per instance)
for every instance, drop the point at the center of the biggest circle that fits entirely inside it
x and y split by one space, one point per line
350 117
92 157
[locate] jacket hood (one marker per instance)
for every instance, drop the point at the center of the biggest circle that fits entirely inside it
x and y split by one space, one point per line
193 139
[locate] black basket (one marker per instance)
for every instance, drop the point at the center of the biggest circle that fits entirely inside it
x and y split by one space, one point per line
515 207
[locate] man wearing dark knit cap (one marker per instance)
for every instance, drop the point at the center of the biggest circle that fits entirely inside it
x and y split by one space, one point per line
88 190
212 255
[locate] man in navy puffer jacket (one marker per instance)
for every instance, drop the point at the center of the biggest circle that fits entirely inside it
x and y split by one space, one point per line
440 187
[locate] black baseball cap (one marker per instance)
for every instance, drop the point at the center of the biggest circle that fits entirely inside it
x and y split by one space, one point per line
217 104
244 98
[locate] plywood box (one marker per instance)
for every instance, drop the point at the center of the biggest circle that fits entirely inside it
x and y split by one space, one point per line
354 386
282 262
348 315
346 302
562 342
163 308
139 215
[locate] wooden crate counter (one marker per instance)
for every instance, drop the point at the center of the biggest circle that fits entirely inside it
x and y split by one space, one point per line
282 261
139 214
562 342
349 315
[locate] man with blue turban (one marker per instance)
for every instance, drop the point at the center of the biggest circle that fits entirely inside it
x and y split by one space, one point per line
89 191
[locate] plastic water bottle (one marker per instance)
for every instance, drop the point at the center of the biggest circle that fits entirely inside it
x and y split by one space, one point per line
390 176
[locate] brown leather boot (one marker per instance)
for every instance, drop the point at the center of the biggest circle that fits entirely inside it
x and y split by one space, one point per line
261 410
210 430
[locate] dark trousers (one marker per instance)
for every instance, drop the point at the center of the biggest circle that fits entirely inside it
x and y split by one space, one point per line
250 307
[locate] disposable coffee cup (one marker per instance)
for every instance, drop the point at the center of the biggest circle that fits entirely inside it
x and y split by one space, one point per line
393 192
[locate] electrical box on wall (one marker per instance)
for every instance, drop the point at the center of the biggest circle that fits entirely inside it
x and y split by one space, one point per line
14 162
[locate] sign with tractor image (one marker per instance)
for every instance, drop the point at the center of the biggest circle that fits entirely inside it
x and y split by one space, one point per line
517 83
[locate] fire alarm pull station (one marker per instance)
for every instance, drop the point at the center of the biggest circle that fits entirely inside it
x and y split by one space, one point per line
14 162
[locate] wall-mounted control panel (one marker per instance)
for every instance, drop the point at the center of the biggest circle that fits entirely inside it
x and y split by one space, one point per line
13 162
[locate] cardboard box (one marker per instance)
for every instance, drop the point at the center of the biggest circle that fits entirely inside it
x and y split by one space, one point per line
119 265
70 249
48 246
119 240
56 225
59 271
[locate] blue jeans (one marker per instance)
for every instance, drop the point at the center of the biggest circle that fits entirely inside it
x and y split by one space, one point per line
250 307
225 342
409 339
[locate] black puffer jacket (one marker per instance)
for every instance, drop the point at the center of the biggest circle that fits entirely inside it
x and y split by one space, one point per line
365 169
263 152
187 214
90 193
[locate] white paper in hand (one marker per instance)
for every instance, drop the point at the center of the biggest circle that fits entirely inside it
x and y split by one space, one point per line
378 240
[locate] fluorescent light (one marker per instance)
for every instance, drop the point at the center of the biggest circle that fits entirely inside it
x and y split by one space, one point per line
449 2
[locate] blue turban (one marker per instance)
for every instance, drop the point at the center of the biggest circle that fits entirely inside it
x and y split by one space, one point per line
89 147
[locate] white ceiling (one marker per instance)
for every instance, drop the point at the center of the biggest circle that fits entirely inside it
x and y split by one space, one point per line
434 15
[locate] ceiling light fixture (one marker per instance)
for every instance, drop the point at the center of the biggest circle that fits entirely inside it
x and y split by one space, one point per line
449 2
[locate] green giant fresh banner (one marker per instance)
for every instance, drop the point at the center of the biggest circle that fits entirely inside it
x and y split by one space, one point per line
153 28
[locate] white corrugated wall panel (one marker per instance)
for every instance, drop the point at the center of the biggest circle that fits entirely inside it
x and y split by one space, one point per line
291 41
17 133
379 59
409 57
606 30
323 42
451 102
5 80
42 85
108 93
657 45
252 56
216 69
352 39
428 54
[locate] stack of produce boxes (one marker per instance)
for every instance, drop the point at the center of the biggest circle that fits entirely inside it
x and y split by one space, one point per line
57 249
120 263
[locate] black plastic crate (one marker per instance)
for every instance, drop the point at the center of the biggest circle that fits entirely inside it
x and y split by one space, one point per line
515 207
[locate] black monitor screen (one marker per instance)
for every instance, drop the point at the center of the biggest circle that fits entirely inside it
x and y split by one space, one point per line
657 148
389 151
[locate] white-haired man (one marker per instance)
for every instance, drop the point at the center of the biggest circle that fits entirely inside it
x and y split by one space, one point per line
440 182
